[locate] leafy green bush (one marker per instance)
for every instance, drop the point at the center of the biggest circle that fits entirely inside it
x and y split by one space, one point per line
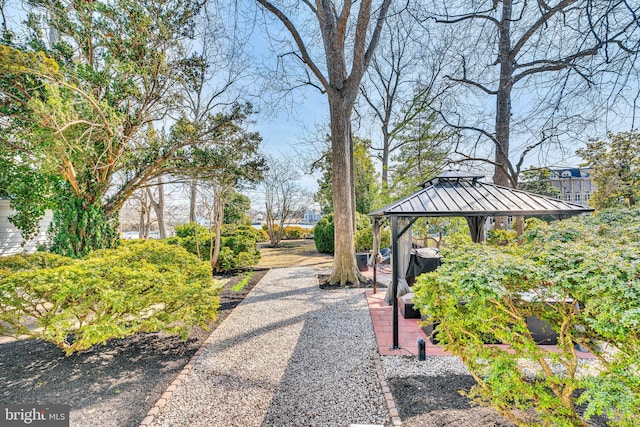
111 293
189 230
323 231
295 232
502 237
364 239
263 236
291 232
581 276
238 249
323 235
34 261
241 239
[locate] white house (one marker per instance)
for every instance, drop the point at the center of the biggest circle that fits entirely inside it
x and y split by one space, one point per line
11 241
575 184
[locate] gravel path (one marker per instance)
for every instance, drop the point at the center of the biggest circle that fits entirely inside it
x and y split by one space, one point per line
289 355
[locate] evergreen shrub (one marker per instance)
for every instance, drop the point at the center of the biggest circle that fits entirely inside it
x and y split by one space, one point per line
582 278
238 244
111 293
323 232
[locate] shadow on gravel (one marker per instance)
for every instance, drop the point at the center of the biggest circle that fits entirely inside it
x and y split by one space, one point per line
330 379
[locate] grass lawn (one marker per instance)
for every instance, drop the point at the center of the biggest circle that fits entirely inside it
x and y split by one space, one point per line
293 253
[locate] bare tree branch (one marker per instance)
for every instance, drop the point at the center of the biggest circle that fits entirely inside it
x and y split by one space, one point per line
298 40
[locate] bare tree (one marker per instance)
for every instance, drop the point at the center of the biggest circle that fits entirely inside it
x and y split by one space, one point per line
217 66
158 206
346 37
545 55
401 82
284 199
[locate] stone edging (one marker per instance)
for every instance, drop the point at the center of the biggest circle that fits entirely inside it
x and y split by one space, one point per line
388 397
161 403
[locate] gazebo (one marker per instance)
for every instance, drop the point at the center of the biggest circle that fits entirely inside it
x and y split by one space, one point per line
456 193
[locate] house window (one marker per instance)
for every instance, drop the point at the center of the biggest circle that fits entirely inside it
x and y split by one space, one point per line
587 196
578 198
567 197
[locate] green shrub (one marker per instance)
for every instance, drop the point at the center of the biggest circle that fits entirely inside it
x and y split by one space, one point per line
238 248
295 232
291 232
263 236
323 235
591 267
111 293
364 239
323 232
502 237
188 230
34 261
241 240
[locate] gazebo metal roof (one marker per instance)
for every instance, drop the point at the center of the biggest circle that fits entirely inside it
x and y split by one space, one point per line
454 193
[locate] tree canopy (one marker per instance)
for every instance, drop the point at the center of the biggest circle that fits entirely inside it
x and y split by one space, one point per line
616 163
79 110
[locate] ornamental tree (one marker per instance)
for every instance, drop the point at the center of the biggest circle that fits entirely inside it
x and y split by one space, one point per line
80 108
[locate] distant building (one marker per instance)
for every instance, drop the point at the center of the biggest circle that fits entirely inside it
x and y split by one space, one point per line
312 216
575 184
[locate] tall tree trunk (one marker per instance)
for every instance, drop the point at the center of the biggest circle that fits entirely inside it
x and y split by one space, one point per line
147 228
503 105
218 218
386 140
142 222
193 195
341 88
352 168
344 255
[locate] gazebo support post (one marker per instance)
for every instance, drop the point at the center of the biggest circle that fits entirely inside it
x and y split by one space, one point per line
394 280
376 250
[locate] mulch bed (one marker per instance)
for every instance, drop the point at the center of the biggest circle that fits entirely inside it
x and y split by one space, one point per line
324 284
425 401
436 401
110 385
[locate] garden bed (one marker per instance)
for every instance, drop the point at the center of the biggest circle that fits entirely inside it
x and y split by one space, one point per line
111 385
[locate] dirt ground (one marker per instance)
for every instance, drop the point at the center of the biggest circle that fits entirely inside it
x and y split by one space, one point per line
111 385
293 253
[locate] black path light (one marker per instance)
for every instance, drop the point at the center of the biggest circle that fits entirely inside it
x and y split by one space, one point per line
457 193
